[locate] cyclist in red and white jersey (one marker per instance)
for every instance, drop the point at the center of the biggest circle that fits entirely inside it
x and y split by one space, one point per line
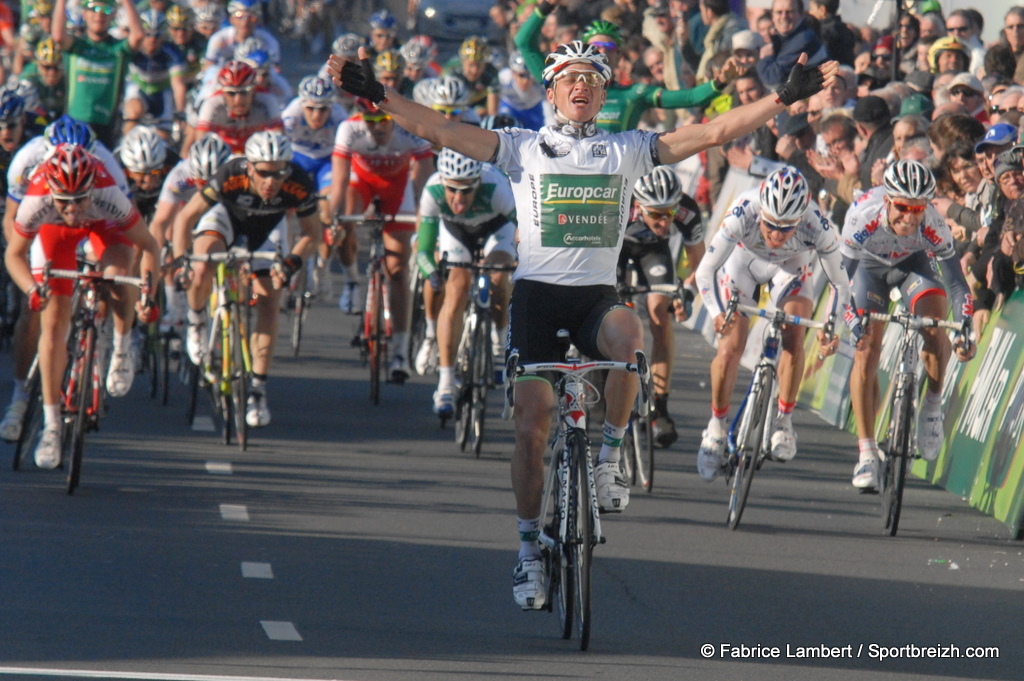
892 238
72 197
237 110
771 236
374 159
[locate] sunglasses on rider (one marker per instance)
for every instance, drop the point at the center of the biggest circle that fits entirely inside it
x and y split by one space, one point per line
659 214
907 208
70 200
100 8
281 174
607 46
776 227
318 109
376 118
157 172
589 78
449 110
460 188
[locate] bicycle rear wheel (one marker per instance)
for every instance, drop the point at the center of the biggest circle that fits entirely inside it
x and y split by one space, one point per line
749 440
373 332
562 573
465 368
483 373
239 382
32 421
195 377
299 302
81 383
897 455
642 451
418 318
580 532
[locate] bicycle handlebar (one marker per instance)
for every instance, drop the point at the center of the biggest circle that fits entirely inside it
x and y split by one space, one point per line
910 321
361 218
674 290
234 254
480 267
97 276
779 317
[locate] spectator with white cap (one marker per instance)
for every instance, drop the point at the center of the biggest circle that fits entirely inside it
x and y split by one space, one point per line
746 46
968 90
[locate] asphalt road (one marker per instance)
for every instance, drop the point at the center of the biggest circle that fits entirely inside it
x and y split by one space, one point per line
356 542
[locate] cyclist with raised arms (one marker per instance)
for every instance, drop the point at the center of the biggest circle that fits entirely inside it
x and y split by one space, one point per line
770 236
156 76
69 198
666 222
571 183
465 206
237 111
624 104
375 158
893 238
245 205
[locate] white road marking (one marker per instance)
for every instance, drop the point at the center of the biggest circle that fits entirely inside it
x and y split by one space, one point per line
234 512
219 468
280 631
257 570
141 676
203 424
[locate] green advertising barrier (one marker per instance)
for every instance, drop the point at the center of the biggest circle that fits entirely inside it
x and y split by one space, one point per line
982 459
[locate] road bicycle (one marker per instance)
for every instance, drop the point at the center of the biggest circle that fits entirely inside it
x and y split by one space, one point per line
301 292
749 439
32 419
569 509
83 390
226 371
474 360
638 443
375 331
898 445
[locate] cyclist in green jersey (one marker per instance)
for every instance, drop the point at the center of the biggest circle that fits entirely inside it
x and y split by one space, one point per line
625 105
96 64
46 75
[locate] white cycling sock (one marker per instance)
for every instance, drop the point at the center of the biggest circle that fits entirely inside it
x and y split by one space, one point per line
529 537
868 449
196 317
445 378
431 328
399 341
51 415
717 428
611 447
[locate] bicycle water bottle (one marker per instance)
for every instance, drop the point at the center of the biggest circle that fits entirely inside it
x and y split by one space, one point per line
483 291
771 347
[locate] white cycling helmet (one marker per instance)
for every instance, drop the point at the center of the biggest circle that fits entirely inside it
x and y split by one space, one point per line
347 45
784 196
452 165
450 91
316 90
909 180
143 150
576 52
268 146
415 54
207 155
660 188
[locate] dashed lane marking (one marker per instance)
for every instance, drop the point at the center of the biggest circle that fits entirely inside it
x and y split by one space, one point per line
280 631
234 512
219 468
257 570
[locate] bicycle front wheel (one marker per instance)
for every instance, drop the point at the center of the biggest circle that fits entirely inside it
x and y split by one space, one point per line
642 451
465 369
579 535
749 439
299 305
82 386
32 421
373 332
483 373
239 382
897 454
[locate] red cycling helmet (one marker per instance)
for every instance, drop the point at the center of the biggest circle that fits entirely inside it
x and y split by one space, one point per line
362 105
236 74
70 170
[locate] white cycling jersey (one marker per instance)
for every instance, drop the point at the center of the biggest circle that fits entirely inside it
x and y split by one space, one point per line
305 140
867 235
32 154
180 184
572 196
221 47
741 228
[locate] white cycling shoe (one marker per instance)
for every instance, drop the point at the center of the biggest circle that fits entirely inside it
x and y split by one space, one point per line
612 490
710 457
530 583
930 433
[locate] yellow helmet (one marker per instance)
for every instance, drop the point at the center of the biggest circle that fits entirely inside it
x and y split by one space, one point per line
43 8
388 61
949 42
178 16
48 52
474 48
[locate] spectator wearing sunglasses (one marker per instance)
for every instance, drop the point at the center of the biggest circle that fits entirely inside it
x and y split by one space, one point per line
894 238
968 91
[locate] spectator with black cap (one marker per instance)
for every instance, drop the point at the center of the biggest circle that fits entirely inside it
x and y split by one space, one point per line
839 40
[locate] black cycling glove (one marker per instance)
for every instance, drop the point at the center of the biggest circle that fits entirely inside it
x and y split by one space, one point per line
803 82
357 78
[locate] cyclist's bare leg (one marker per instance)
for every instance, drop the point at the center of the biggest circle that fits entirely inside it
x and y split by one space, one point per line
55 320
534 405
118 260
725 365
396 266
937 348
449 320
501 288
202 272
663 347
264 333
348 250
864 392
620 336
791 361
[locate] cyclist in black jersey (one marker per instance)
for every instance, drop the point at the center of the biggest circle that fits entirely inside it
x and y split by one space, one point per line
245 205
666 221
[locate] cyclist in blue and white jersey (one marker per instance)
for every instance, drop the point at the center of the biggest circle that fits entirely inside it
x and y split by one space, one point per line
311 122
156 84
522 97
571 182
892 238
254 53
770 236
465 205
244 17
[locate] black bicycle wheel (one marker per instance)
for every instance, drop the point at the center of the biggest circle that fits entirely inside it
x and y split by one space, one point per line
32 421
78 420
897 455
151 358
464 372
564 571
749 439
299 302
418 317
580 535
165 367
643 450
627 461
373 330
195 377
483 374
239 383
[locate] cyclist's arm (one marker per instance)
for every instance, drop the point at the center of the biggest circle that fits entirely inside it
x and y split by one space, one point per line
959 292
311 228
140 237
527 39
58 29
841 299
16 260
341 172
163 217
422 121
179 89
682 99
9 211
186 221
426 244
135 32
686 141
719 251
